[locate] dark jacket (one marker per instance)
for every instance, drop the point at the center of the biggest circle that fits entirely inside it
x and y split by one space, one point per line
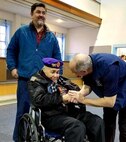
46 95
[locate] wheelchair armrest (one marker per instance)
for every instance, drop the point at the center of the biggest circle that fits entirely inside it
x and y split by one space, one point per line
36 114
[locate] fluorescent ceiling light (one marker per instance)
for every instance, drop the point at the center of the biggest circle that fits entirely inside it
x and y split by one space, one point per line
59 21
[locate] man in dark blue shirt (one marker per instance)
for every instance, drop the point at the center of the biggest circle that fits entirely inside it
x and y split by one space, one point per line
105 75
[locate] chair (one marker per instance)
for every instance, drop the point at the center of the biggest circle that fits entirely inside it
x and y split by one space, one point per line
31 129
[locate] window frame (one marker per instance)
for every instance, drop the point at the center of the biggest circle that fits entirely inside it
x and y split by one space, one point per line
4 40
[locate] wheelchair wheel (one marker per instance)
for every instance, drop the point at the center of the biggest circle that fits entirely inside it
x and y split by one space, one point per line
27 131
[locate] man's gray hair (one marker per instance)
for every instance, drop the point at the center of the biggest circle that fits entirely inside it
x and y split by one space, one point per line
83 63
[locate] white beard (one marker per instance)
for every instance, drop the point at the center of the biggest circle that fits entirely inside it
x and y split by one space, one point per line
40 23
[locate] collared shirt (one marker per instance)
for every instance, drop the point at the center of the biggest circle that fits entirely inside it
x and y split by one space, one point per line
108 78
39 36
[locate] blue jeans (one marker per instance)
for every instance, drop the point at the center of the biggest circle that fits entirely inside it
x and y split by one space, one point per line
23 104
110 116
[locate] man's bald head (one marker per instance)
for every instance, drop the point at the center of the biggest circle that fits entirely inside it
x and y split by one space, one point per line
80 62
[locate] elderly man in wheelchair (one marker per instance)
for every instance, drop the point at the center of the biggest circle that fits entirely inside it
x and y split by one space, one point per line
51 113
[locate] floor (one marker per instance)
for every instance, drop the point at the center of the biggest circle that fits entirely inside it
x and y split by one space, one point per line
7 117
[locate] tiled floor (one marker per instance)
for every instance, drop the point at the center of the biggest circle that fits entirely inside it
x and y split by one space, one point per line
7 117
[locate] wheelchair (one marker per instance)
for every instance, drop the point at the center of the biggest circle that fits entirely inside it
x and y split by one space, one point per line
31 129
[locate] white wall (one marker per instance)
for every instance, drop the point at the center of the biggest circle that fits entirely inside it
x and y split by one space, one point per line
111 32
80 39
113 28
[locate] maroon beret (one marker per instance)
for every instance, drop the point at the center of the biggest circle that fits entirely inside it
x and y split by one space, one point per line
52 62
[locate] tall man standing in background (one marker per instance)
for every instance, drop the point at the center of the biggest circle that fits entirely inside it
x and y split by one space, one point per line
25 51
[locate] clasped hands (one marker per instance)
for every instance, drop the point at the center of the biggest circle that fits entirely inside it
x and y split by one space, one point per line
73 97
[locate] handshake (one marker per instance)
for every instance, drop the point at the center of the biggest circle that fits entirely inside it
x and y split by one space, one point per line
73 97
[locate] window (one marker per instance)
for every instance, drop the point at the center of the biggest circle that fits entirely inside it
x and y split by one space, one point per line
4 36
119 49
61 40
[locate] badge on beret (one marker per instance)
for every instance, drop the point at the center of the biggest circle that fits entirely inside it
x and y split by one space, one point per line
52 62
57 65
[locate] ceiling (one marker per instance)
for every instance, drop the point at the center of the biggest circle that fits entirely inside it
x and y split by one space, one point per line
19 7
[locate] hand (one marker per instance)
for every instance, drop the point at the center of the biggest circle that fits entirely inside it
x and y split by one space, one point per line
66 98
14 73
76 96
